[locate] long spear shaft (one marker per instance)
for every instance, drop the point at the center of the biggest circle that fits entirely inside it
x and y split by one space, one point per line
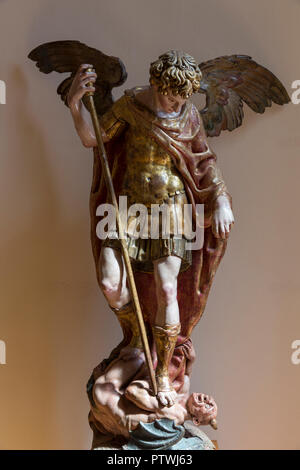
132 286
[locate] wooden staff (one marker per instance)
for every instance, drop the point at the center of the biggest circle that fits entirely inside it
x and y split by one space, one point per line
110 187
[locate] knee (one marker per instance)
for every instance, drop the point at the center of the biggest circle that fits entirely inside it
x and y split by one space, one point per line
130 392
109 288
101 391
168 292
98 393
116 296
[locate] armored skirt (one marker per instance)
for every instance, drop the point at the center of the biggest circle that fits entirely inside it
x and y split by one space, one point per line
158 234
152 181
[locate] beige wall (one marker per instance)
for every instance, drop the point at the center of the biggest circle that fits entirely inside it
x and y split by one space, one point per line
54 320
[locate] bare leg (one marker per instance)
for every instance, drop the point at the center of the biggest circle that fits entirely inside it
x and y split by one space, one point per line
166 271
167 323
112 409
121 371
112 276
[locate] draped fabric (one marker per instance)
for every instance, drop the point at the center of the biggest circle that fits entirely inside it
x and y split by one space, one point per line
185 140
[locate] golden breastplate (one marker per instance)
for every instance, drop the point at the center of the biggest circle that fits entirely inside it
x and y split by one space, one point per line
151 176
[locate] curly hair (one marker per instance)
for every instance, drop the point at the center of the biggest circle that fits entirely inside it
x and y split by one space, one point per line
176 71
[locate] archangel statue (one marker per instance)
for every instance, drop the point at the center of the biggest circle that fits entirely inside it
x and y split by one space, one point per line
158 154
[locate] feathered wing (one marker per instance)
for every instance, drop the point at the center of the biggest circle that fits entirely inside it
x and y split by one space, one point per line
67 56
228 81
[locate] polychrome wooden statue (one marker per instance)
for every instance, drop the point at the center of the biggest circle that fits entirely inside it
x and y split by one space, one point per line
151 146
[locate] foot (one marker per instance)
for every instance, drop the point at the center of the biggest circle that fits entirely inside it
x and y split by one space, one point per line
167 398
166 394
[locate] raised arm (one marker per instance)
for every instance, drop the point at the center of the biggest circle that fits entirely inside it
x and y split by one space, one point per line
81 116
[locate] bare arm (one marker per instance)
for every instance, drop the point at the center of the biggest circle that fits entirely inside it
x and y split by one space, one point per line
81 116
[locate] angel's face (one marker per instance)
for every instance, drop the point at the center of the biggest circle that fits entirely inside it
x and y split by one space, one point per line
170 103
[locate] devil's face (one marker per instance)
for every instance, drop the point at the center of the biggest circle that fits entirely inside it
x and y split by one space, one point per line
202 408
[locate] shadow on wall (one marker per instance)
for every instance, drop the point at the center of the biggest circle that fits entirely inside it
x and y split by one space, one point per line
42 315
32 207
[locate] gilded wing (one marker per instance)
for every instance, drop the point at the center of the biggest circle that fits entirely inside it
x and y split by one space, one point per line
228 81
67 56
